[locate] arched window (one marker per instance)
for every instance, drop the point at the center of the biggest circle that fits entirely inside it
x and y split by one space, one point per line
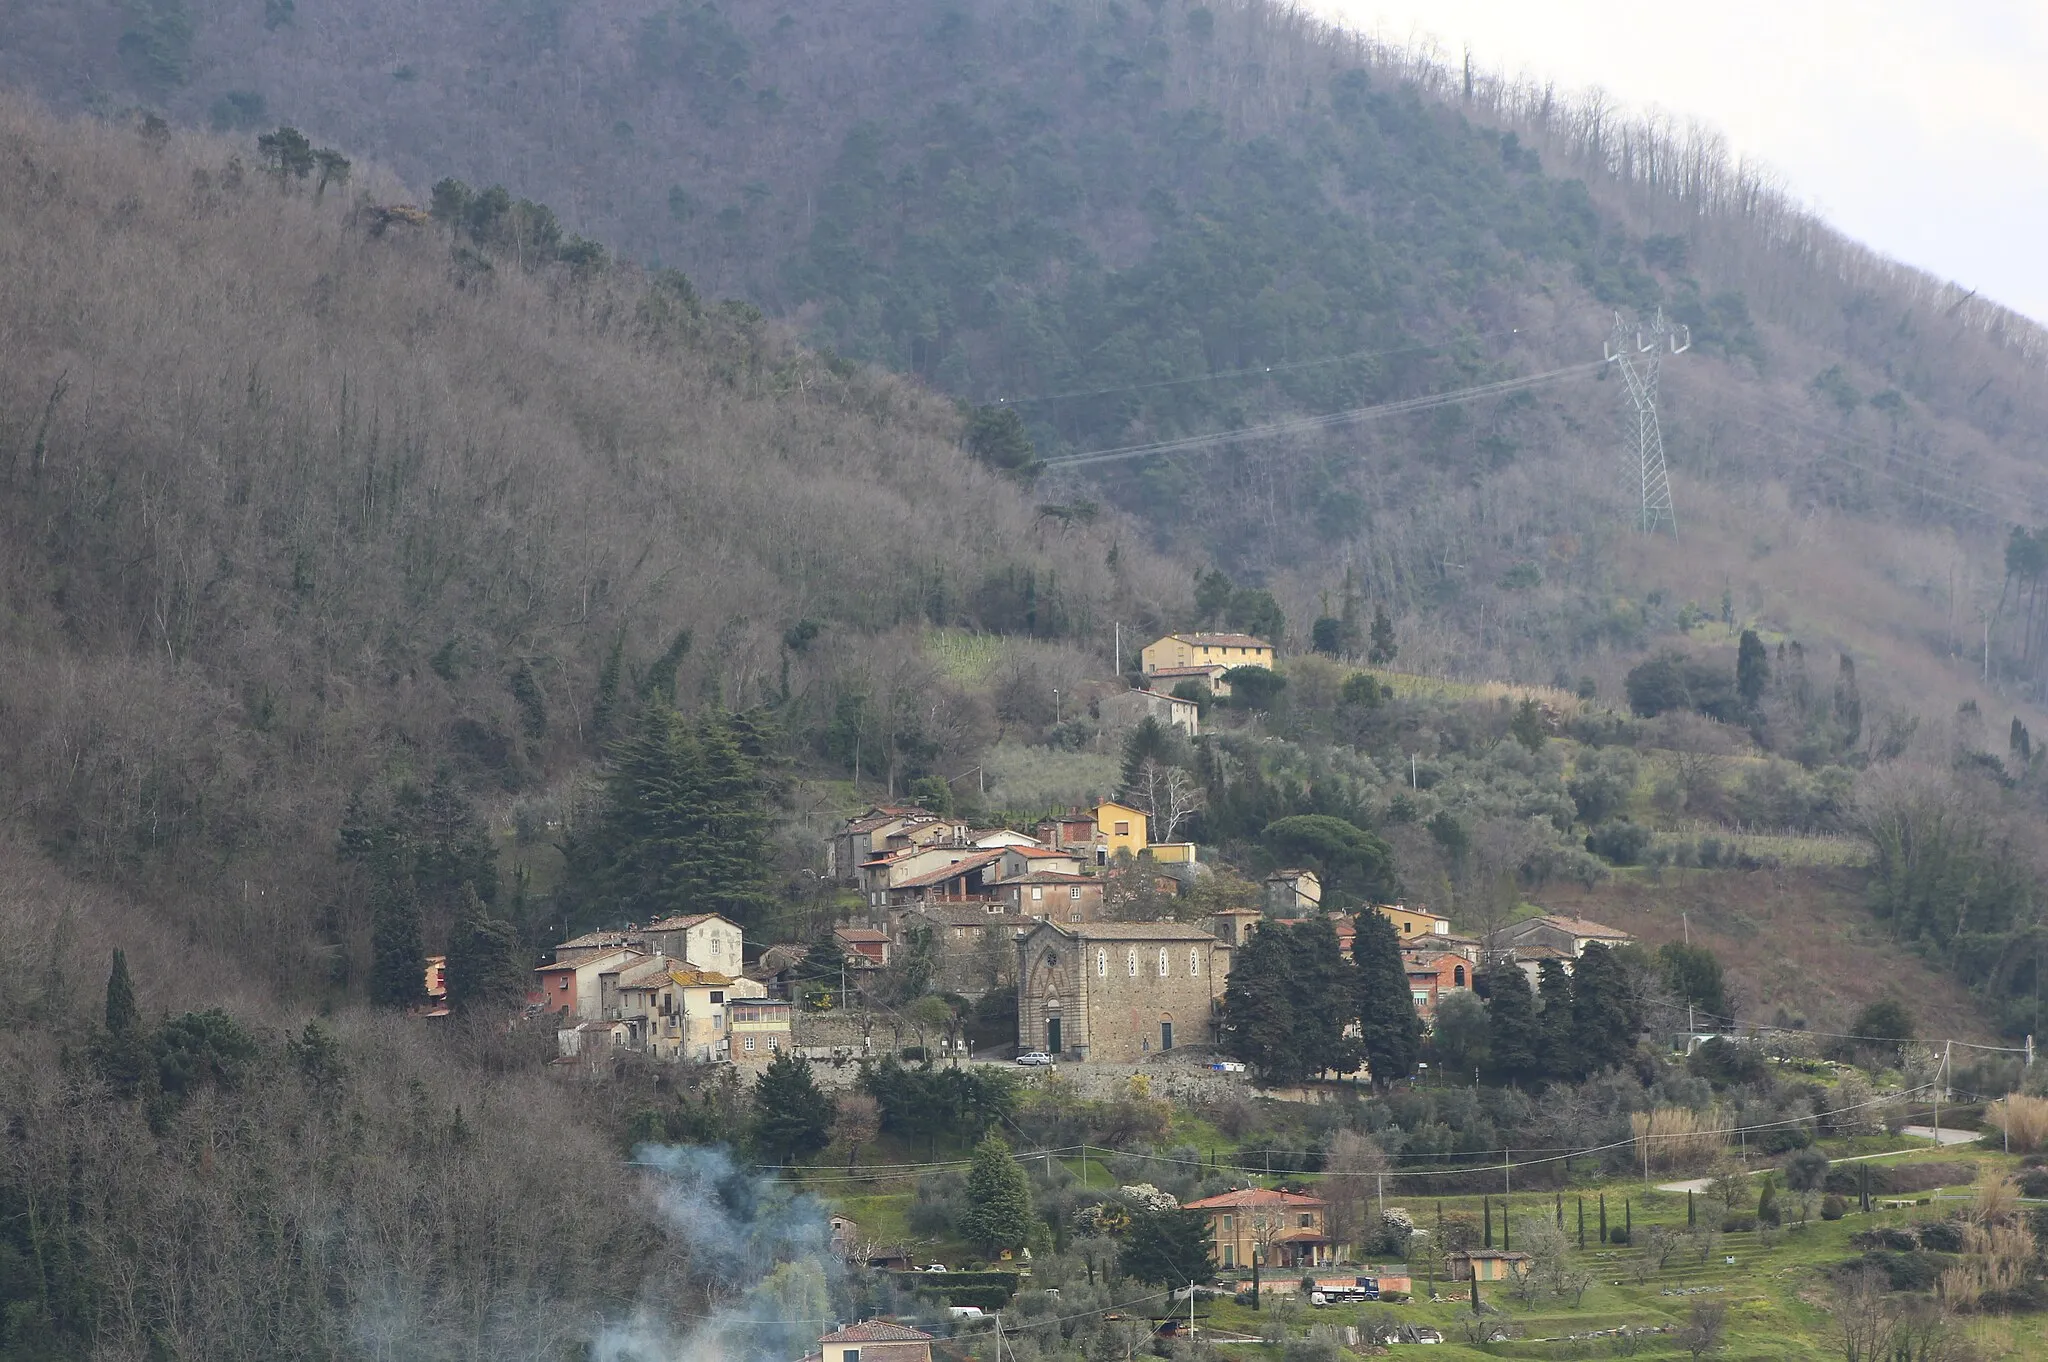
1101 963
1165 964
1132 962
1194 962
1458 975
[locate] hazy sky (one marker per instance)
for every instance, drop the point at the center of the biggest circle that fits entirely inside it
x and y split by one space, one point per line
1918 127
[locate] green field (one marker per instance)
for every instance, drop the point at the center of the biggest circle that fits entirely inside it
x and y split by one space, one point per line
1775 1287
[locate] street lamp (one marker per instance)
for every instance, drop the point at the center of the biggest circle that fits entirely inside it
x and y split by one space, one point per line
1055 706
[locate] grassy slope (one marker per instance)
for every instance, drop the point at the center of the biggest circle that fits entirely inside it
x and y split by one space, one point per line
1799 940
1773 1292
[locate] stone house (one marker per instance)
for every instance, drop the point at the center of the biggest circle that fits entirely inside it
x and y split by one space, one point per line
1567 935
1293 893
1133 707
1118 991
1431 976
705 940
1052 895
1413 922
1204 650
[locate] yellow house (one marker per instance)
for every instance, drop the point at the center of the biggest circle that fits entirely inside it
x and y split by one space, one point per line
1205 650
1410 923
1172 853
1119 827
757 1029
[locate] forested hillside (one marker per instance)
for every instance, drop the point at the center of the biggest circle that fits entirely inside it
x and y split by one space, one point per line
1134 221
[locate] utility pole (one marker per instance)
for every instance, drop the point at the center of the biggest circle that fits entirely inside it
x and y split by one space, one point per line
1639 360
1119 648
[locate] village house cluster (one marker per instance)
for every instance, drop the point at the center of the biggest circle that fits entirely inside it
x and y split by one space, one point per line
1047 910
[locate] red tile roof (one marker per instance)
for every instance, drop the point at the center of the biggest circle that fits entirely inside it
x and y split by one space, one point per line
1222 640
1252 1196
877 1331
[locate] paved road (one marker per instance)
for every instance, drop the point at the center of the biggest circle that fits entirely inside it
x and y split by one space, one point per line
1948 1137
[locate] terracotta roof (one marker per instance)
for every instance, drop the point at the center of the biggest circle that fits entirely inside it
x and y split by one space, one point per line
860 934
1134 931
1201 669
877 1331
1157 695
1577 926
1048 877
964 866
1289 875
1252 1196
1037 853
1540 953
597 940
676 924
1222 640
1507 1255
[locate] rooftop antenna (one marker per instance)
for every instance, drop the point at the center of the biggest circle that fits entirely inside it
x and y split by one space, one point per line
1639 356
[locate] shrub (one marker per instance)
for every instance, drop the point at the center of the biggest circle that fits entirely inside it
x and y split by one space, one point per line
2034 1183
1806 1171
1832 1207
1943 1236
2023 1119
1619 842
1618 1234
1738 1224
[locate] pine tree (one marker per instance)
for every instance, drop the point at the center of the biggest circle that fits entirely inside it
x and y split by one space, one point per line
487 968
398 956
1513 1033
1168 1248
1319 972
1383 647
792 1115
998 1199
1390 1032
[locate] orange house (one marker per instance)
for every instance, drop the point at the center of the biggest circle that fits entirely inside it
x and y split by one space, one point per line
1278 1229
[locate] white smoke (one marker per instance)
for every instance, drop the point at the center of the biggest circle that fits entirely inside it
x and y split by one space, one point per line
759 1252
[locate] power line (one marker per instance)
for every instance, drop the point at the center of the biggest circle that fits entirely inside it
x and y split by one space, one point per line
1305 424
1258 370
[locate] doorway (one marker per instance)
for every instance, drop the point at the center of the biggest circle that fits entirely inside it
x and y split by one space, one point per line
1052 1035
1166 1035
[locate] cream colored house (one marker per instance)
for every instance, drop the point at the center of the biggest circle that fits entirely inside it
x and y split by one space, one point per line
1206 650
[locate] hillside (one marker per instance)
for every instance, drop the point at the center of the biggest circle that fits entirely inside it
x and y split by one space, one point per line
294 510
1139 222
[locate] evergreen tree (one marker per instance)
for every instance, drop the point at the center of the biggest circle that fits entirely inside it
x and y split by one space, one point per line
1513 1035
998 1199
123 1017
1527 725
683 827
1168 1248
1559 1049
1153 741
121 1052
1606 1019
1693 975
1752 669
1326 635
398 954
1383 648
1259 1008
996 436
1390 1032
1276 1012
487 967
604 710
792 1115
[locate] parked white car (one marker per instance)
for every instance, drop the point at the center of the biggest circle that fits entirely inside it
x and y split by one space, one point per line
1034 1057
934 1267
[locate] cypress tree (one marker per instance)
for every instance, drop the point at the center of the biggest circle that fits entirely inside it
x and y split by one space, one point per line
1752 669
1560 1050
1605 1018
1582 1224
1383 648
1512 1032
1691 1213
1487 1203
1320 971
123 1017
999 1199
1603 1217
1390 1032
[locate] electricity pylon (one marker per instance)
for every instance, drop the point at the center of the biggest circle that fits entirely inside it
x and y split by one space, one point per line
1639 355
